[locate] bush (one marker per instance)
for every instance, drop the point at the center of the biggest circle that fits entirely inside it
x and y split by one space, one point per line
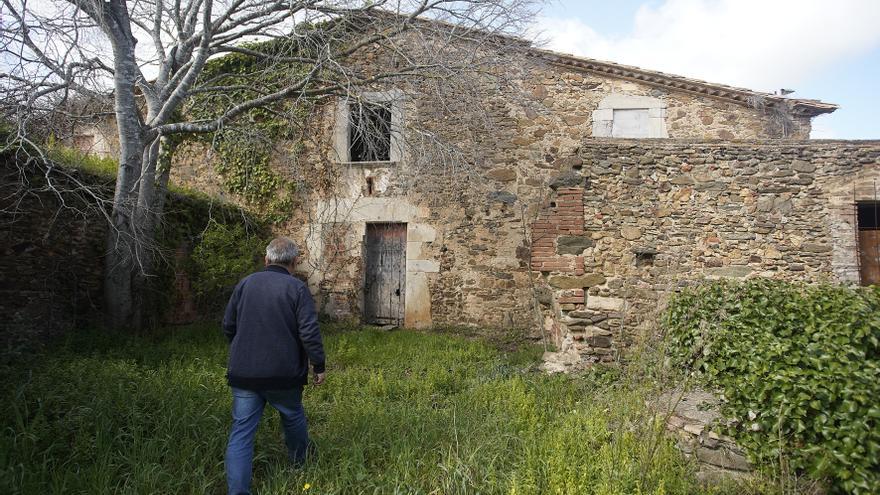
799 369
225 254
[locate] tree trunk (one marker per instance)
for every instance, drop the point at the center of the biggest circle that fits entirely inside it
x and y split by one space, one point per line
150 203
121 264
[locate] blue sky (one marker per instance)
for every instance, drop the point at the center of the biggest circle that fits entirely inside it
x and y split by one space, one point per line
823 49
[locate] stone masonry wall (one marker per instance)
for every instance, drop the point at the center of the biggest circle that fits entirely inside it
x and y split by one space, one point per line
51 261
607 232
660 215
516 140
52 247
564 99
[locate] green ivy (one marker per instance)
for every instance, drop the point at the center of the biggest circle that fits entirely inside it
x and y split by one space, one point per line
225 253
245 146
224 242
799 369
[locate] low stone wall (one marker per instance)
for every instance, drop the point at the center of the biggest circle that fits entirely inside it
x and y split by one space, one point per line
659 215
690 417
53 246
52 261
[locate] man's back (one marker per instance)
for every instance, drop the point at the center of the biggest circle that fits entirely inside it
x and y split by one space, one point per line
272 326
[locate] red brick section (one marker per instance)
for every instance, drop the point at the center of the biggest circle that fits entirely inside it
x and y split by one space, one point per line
565 218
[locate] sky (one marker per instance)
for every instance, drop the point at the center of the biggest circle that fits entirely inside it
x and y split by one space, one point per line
823 49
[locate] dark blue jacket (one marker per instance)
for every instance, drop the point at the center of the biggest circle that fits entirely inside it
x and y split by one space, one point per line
273 332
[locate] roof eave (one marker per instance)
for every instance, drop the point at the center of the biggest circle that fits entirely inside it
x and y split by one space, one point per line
742 96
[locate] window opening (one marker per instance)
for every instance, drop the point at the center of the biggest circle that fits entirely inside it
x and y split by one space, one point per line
369 132
869 216
645 257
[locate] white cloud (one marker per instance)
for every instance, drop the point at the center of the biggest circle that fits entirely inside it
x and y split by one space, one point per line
759 44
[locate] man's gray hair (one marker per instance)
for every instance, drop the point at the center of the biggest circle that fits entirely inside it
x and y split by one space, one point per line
281 251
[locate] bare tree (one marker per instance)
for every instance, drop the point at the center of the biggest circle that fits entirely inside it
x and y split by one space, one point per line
149 58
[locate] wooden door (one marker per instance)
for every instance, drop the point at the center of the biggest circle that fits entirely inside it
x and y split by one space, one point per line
384 273
869 256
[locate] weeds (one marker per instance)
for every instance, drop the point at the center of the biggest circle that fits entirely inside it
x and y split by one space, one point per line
401 412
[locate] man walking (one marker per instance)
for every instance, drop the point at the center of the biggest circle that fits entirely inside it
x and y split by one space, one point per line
272 328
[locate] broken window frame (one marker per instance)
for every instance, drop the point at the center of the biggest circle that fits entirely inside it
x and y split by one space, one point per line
394 99
369 132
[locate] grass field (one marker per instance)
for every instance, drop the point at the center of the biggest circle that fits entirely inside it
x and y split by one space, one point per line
401 412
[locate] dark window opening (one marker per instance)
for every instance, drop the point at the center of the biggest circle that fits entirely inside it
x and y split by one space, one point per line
645 257
369 133
369 186
553 204
869 216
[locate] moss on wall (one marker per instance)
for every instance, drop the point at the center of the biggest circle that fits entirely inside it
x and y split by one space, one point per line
54 242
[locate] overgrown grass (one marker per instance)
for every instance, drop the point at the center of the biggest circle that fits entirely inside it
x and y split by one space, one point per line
72 158
401 412
105 168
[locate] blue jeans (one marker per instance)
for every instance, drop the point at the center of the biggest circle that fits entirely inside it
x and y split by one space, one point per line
247 408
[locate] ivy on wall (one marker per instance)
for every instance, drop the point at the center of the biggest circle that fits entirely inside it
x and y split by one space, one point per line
799 369
225 253
224 244
246 146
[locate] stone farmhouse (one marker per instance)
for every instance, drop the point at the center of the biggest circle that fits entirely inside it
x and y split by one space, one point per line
595 190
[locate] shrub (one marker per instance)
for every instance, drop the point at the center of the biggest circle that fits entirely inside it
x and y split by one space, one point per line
225 254
799 369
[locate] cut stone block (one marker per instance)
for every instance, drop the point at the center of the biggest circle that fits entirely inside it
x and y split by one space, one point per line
605 303
573 244
422 266
576 282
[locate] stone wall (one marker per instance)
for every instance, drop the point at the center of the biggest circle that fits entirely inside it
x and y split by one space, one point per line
53 245
660 215
690 417
586 249
51 261
98 137
565 100
509 146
